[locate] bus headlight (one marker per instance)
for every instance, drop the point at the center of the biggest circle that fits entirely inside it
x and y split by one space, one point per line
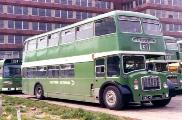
136 87
165 85
181 81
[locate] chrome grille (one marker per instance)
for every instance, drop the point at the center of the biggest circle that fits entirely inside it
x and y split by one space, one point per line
150 82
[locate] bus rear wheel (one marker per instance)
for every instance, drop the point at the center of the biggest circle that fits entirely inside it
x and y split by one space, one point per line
113 98
39 92
161 103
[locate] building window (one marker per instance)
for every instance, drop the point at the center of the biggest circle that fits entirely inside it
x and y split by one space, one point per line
57 13
25 11
48 1
48 12
57 1
25 25
10 24
17 10
35 26
1 8
1 23
18 24
11 39
18 39
70 14
34 11
57 26
42 26
49 26
1 39
69 2
42 12
63 14
10 9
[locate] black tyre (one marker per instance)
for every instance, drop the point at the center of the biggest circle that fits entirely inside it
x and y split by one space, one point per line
112 98
39 91
161 103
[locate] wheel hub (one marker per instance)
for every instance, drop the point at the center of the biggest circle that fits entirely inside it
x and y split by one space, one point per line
110 97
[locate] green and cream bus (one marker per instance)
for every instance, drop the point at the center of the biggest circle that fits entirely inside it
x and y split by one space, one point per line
169 63
10 75
172 52
99 60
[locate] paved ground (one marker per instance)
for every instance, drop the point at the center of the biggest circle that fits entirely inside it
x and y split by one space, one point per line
173 111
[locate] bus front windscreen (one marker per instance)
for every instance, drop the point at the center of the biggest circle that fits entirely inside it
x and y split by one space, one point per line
151 27
132 63
12 71
130 24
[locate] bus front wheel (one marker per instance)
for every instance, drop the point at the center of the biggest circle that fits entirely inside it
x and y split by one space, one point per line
113 98
39 92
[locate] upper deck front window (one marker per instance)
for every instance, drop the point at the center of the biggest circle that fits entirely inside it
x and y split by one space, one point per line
130 24
151 27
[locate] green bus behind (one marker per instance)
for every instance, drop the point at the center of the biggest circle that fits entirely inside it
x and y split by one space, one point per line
10 75
100 60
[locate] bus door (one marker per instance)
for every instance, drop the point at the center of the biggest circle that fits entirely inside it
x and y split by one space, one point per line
100 76
107 69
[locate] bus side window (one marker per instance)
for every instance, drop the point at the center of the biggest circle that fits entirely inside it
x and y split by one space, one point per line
53 71
113 66
67 71
100 68
105 26
42 42
80 31
68 36
41 72
31 72
53 39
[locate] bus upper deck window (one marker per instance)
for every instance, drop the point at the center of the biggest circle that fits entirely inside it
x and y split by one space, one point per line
105 26
130 24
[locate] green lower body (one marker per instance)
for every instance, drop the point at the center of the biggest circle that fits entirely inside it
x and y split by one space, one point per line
10 84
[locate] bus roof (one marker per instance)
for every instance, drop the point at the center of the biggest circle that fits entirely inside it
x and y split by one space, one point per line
112 13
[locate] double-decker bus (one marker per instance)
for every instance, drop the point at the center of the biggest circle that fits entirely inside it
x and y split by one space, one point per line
172 52
10 75
169 64
99 60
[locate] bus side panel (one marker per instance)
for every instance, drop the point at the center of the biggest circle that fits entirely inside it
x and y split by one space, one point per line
25 85
105 43
66 50
84 79
41 54
30 56
52 52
